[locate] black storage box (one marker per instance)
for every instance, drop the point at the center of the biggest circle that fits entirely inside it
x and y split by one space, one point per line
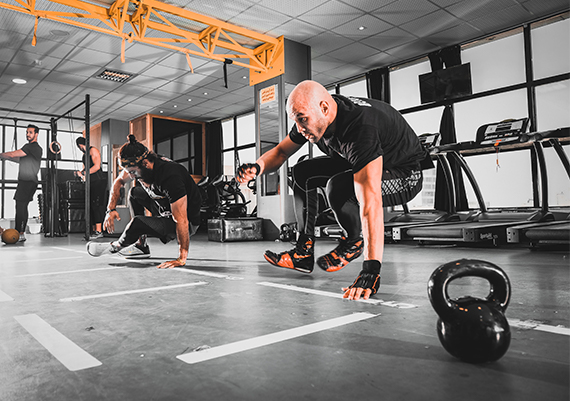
73 190
236 229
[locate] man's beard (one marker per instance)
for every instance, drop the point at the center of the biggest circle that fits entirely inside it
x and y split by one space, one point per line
147 175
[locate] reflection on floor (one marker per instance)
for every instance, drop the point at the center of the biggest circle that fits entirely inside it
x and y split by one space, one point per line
230 326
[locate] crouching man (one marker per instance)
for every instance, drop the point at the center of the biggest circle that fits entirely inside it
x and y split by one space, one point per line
166 190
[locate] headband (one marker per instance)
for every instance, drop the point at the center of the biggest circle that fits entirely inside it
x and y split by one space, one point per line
133 161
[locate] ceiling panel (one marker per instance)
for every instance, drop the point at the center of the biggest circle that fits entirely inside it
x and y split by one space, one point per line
66 57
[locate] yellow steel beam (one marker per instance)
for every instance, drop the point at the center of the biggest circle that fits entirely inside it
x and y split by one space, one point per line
151 16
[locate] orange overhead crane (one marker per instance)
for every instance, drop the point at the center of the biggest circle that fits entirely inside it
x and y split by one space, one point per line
167 26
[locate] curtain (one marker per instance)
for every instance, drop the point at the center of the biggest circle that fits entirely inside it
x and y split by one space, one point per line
378 84
214 164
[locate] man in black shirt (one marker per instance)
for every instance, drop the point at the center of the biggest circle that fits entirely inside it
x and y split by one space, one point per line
373 161
29 157
164 188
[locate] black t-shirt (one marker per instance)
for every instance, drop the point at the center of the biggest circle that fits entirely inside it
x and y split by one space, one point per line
365 129
172 181
30 164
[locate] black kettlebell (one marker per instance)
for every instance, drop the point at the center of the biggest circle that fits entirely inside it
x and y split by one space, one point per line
472 329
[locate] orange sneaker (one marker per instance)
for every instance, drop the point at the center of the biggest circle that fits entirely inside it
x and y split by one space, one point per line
300 258
343 254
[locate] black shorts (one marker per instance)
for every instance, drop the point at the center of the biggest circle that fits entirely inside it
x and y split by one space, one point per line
25 191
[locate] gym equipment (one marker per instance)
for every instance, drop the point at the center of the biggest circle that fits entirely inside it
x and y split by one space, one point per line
472 329
490 226
10 236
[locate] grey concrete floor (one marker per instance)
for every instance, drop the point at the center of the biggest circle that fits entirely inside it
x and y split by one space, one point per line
227 294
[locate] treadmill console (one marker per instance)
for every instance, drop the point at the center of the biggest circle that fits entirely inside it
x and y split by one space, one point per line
503 132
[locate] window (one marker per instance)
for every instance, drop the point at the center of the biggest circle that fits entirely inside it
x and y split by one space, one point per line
355 88
550 48
404 85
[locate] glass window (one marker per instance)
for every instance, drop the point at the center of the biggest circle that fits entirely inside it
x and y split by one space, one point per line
229 163
472 114
425 121
552 105
405 85
551 49
246 129
356 89
228 134
497 63
163 148
180 147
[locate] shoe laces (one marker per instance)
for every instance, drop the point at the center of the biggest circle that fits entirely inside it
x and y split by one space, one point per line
345 245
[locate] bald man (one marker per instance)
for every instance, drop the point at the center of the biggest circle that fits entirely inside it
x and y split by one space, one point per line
373 160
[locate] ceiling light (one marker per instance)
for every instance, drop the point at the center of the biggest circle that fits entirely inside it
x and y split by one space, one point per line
19 81
114 75
205 93
244 77
161 111
361 28
175 106
189 100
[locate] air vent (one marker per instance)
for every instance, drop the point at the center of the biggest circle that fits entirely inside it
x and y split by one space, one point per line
114 75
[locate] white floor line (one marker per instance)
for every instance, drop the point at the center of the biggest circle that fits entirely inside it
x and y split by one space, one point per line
257 342
83 251
62 348
534 325
112 294
5 297
209 274
391 304
19 261
69 271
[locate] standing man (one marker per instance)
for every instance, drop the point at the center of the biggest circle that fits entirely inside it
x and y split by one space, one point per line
165 189
29 157
373 161
98 190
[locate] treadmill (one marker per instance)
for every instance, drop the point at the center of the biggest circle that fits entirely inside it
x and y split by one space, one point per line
407 218
553 232
485 226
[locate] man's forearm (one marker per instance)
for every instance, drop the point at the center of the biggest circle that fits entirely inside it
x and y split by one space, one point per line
183 240
115 194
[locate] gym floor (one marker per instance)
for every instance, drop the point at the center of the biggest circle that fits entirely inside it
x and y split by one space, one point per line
229 326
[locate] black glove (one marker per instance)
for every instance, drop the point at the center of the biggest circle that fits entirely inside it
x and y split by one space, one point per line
241 170
369 276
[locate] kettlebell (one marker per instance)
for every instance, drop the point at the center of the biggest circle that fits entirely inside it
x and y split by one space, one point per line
472 329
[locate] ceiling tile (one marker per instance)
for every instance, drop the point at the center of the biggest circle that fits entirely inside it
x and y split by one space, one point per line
251 18
368 5
331 14
372 26
431 23
403 11
292 8
325 43
389 39
353 52
164 72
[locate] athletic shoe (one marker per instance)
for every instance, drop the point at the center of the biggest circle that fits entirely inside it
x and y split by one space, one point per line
96 235
101 248
343 254
135 251
300 258
22 237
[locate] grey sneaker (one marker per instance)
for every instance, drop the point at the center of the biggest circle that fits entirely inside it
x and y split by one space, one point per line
22 237
101 248
96 235
135 251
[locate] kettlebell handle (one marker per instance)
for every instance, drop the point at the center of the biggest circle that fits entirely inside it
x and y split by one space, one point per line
499 294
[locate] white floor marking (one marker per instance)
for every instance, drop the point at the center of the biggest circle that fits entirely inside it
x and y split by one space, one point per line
20 261
534 325
112 294
69 271
209 274
83 251
257 342
63 349
391 304
5 297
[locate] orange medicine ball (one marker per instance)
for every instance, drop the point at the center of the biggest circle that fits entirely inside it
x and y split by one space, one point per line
10 236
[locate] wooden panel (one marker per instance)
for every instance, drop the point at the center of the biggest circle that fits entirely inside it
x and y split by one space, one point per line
95 136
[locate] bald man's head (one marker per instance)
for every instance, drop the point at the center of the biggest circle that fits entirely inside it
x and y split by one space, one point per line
312 108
